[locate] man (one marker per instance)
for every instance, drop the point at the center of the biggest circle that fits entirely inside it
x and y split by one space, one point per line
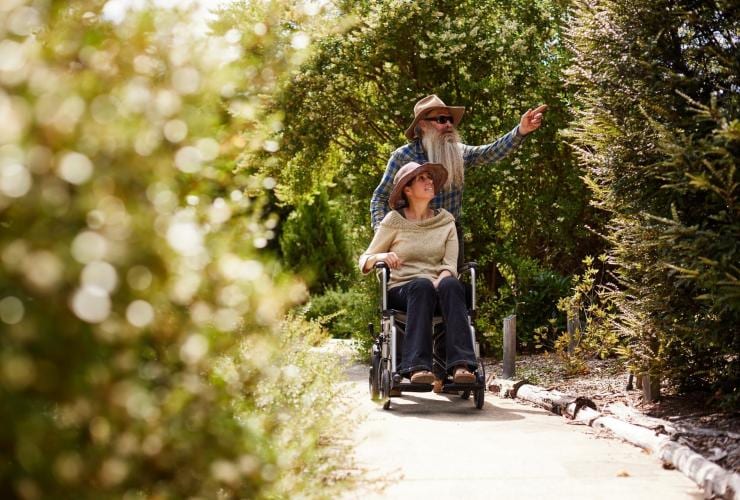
434 139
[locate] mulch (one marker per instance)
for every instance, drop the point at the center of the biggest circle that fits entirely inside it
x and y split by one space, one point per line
605 382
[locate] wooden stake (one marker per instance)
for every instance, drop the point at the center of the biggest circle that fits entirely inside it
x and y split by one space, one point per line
509 346
574 330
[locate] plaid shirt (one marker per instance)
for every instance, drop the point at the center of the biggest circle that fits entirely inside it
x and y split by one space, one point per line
449 200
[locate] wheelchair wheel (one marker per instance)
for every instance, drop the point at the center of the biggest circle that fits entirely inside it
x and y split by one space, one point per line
374 381
385 389
479 398
479 395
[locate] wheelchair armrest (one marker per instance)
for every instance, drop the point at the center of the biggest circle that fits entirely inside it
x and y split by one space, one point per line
381 265
472 268
467 267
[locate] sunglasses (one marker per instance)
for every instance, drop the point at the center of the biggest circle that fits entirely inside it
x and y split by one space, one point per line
441 119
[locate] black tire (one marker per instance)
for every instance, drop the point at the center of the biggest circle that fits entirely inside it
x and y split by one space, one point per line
480 374
479 398
375 375
385 389
479 395
373 385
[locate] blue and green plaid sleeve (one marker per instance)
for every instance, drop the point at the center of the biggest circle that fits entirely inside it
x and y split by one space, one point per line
489 153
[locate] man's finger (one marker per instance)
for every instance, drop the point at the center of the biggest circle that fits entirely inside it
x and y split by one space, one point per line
541 109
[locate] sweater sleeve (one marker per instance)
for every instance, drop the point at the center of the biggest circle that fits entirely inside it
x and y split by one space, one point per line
381 242
449 262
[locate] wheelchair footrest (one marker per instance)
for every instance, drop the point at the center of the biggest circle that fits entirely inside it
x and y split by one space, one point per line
409 387
451 386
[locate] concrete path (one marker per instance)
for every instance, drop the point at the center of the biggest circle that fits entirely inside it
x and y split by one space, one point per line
434 447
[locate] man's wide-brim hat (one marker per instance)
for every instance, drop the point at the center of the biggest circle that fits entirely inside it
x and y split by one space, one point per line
430 103
408 172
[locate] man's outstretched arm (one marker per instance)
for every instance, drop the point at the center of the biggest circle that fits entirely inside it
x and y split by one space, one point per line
530 121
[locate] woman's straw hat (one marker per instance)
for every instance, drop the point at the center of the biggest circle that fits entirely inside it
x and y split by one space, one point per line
408 172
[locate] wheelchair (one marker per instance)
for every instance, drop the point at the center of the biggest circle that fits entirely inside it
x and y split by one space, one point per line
385 380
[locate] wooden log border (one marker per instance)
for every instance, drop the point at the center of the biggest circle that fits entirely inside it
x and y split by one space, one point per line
716 481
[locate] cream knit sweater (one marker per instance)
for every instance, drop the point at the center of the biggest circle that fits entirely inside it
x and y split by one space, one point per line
426 248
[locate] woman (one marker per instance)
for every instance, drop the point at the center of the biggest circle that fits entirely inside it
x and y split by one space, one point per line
420 245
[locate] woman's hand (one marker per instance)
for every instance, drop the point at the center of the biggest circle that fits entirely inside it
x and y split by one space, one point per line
390 258
441 276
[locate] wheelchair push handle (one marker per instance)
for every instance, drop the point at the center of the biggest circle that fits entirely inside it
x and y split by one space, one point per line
472 268
385 277
468 267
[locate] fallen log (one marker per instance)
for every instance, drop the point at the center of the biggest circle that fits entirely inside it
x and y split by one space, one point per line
715 480
555 401
632 416
505 387
675 430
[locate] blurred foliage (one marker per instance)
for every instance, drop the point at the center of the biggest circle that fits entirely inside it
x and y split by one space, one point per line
143 353
656 132
346 110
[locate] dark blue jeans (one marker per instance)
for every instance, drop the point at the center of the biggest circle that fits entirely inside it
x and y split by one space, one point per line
420 299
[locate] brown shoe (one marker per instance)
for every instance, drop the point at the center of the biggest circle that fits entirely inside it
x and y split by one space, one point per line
422 377
463 376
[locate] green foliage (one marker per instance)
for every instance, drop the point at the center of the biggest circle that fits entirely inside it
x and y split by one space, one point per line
704 238
346 313
532 293
299 387
347 108
313 243
589 313
131 265
656 135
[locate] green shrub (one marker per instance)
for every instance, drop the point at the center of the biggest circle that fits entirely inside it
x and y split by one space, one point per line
591 313
531 292
346 313
298 400
313 243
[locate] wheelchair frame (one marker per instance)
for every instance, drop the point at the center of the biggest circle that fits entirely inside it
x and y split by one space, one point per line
384 375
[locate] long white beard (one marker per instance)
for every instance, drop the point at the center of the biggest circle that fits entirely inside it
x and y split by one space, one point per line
446 150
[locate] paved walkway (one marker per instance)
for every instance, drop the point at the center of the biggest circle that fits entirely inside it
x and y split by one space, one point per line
436 447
